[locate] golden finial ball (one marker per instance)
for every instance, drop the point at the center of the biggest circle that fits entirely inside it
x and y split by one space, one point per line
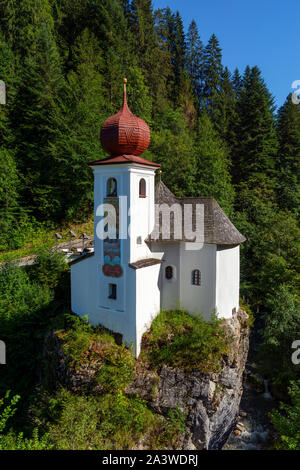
124 80
159 172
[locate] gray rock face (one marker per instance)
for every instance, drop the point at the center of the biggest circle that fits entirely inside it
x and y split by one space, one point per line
210 401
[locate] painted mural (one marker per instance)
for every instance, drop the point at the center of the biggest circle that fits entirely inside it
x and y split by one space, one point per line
112 247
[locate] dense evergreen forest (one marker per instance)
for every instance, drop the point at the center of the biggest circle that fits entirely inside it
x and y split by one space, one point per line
215 132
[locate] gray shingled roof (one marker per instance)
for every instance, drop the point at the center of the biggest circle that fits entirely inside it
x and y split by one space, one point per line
218 229
144 263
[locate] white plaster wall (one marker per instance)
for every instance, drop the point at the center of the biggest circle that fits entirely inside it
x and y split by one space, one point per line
228 280
170 288
198 299
84 288
147 300
141 212
85 300
88 283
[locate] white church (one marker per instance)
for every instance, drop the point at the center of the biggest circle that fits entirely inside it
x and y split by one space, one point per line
148 263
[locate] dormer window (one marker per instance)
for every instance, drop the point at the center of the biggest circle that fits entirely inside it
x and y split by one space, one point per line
111 187
142 188
196 277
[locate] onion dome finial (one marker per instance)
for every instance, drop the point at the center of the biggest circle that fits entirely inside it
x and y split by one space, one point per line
124 133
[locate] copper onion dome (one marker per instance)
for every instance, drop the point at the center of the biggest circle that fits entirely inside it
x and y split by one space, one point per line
124 133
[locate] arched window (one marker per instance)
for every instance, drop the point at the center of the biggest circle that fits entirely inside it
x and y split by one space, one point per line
196 277
142 188
111 187
169 272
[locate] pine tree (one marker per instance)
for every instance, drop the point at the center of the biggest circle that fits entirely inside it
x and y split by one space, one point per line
21 20
212 166
236 82
111 28
212 73
179 47
256 142
195 59
9 74
171 33
288 159
33 121
225 114
138 95
171 146
153 60
70 19
79 116
185 99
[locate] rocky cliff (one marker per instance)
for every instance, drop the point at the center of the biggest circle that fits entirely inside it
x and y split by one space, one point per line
210 401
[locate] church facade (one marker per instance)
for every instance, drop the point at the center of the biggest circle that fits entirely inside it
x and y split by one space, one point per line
153 251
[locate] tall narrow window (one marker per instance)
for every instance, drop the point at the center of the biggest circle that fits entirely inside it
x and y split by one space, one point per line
142 188
169 272
112 291
196 277
111 187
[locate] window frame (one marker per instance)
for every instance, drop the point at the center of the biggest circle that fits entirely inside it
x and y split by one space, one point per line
112 291
196 277
142 191
169 278
115 193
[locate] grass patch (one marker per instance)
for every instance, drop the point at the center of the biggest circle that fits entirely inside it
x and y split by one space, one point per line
83 343
178 339
40 237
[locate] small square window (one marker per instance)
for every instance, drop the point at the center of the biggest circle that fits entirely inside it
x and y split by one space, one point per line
139 240
112 291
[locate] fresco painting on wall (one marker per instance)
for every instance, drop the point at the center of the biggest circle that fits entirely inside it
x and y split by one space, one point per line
112 248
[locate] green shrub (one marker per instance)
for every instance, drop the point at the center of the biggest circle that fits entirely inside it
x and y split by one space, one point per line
181 340
77 339
106 422
287 424
281 328
9 440
245 306
117 370
81 342
49 267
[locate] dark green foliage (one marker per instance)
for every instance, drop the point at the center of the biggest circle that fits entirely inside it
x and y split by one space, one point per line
287 424
288 159
281 329
109 422
28 310
180 340
172 145
211 75
256 143
212 165
214 133
9 440
195 59
117 370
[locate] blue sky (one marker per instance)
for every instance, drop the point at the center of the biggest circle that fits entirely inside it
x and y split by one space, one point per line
263 33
